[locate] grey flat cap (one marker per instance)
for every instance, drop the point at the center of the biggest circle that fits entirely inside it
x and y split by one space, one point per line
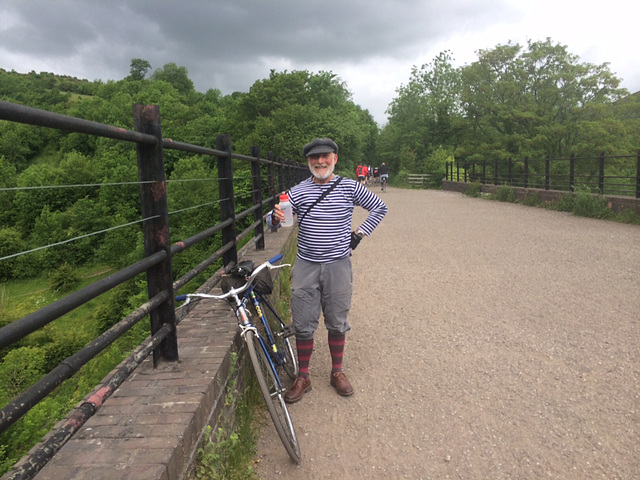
320 145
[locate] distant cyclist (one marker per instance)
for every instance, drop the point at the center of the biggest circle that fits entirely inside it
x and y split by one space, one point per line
384 172
376 174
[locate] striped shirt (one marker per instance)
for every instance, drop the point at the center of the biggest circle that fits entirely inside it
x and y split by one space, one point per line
325 232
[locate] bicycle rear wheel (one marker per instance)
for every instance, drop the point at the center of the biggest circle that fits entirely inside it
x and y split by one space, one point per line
273 394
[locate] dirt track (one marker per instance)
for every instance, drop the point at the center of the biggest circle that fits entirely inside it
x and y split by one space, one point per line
489 341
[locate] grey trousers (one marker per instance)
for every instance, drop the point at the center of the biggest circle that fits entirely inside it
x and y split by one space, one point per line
321 288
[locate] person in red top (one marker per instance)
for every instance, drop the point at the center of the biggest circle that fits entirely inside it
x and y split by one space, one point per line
360 173
365 170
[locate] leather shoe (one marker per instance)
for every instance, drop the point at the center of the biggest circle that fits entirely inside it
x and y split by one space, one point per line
341 384
298 389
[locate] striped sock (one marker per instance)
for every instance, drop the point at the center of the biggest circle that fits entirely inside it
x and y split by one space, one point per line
336 347
305 348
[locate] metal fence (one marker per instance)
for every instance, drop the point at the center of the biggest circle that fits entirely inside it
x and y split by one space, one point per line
280 174
607 175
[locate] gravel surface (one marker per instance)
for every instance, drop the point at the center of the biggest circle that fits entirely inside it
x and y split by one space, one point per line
489 341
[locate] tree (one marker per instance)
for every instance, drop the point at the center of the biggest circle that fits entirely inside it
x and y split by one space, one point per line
285 111
424 116
532 102
139 69
176 76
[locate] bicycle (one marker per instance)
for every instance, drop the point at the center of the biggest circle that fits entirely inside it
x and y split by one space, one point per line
383 183
267 338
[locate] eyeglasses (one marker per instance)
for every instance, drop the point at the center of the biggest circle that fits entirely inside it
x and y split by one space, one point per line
318 156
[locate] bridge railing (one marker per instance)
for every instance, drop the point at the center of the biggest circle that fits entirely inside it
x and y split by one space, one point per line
607 175
280 174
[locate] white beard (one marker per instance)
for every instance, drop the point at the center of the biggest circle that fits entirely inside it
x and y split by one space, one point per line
325 176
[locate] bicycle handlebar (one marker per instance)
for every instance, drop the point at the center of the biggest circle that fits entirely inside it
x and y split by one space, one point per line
234 291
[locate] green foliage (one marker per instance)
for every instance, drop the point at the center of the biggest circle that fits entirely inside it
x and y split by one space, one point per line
178 77
117 306
284 112
474 190
531 199
513 101
228 454
586 204
20 368
139 69
506 193
64 279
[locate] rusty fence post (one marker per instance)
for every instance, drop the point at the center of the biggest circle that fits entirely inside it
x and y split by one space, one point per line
257 197
638 175
153 196
281 184
227 201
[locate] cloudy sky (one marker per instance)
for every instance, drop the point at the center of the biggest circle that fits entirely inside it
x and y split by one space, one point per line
369 44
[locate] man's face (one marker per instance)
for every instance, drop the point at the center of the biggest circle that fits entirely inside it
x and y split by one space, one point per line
322 165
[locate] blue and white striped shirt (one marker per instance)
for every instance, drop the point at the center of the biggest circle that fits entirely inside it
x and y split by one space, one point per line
325 232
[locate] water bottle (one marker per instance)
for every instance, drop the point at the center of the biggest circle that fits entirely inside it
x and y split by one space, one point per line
286 207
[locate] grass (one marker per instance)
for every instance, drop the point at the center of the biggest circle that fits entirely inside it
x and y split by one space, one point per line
228 453
582 203
54 342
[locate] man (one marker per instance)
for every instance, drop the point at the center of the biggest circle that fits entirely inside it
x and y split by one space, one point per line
384 172
322 277
360 174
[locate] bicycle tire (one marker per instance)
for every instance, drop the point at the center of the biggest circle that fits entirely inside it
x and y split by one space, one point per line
283 345
273 396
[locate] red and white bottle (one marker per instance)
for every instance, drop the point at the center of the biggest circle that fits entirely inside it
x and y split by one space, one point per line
286 207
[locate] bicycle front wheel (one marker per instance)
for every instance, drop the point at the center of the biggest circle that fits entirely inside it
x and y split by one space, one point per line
285 350
273 394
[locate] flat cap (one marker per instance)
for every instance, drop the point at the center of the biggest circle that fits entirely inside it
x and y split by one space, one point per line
320 145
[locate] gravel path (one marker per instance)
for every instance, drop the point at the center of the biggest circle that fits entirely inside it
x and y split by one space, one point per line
489 341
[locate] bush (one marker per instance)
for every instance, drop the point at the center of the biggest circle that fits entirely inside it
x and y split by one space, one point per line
565 204
505 193
64 279
532 199
587 204
474 190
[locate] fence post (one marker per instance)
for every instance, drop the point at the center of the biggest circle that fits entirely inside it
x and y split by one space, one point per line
526 172
282 186
457 171
638 175
546 173
601 173
227 202
495 172
257 197
572 169
484 172
509 177
153 195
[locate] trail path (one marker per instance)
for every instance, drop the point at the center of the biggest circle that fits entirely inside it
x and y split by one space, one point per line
489 341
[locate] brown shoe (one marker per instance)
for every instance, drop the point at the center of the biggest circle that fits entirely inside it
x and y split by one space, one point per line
298 389
341 384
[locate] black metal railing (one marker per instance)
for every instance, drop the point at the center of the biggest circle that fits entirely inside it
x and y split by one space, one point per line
607 175
280 174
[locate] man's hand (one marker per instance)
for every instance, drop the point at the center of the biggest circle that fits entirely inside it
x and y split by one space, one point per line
355 238
278 215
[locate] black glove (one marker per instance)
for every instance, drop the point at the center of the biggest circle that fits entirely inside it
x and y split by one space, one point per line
355 240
